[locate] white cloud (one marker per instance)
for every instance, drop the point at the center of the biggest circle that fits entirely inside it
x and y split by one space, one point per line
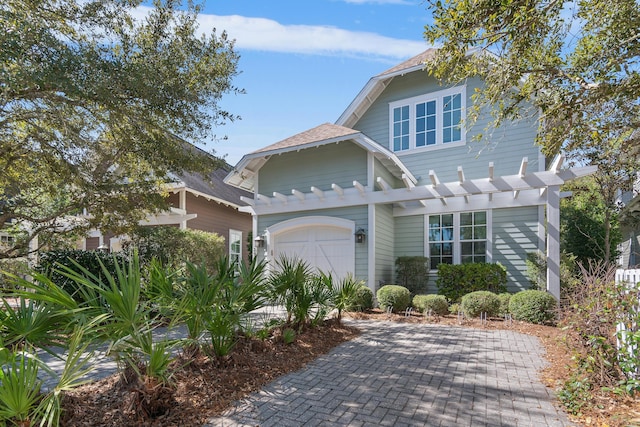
268 35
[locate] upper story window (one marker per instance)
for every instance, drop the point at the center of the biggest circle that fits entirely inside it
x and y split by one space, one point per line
428 121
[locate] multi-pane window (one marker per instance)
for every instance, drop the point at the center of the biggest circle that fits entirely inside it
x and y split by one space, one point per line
235 247
428 121
401 128
473 237
425 123
455 238
440 239
451 118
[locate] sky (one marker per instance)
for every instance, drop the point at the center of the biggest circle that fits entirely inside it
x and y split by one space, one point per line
302 62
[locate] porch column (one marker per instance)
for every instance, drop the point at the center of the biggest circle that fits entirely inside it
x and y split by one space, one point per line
183 206
553 241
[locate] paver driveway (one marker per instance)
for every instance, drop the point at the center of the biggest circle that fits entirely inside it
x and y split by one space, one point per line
401 374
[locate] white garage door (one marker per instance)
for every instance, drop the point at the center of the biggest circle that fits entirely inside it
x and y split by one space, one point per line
329 249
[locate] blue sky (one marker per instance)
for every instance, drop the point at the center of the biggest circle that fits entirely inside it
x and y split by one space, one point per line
303 61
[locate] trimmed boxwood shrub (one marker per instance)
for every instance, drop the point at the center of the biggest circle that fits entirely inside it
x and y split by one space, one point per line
412 272
397 297
504 303
436 303
362 300
454 281
533 306
478 302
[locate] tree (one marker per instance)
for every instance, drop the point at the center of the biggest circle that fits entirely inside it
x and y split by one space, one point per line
97 108
589 219
573 63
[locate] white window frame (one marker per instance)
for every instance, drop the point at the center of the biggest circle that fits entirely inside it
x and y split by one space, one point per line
433 96
457 247
238 235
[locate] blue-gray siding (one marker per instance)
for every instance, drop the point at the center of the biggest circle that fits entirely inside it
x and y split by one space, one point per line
384 254
514 235
320 167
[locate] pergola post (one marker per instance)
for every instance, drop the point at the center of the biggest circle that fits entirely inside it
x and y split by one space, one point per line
553 241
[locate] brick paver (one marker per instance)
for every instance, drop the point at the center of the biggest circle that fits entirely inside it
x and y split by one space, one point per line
400 374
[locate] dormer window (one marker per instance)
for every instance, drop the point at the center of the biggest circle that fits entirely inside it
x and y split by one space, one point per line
428 121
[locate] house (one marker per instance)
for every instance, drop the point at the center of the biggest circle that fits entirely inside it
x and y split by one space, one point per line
198 204
398 174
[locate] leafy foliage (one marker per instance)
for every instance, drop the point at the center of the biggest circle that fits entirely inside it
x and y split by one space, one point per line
537 272
533 306
54 263
98 108
436 304
394 297
475 303
362 300
454 281
172 246
574 63
412 272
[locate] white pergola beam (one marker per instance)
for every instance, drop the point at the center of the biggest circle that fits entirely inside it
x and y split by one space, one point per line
248 200
298 194
359 187
339 190
523 167
318 192
490 171
556 164
384 185
263 198
460 175
528 190
407 182
433 177
280 197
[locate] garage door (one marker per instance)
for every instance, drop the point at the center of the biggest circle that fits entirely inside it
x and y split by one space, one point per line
327 248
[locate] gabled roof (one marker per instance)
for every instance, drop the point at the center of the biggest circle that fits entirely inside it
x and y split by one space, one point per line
377 84
243 174
214 188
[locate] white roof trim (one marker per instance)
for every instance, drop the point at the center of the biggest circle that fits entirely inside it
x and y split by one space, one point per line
177 186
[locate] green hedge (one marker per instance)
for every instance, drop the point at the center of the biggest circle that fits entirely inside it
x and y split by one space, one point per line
362 301
478 302
454 281
51 263
436 303
504 298
394 296
533 306
173 246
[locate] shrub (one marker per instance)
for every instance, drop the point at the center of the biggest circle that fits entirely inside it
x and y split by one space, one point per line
454 308
504 298
362 300
173 246
454 281
533 306
53 262
537 272
436 303
478 302
413 272
394 296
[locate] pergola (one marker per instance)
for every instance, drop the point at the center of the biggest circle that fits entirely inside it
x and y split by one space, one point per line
540 188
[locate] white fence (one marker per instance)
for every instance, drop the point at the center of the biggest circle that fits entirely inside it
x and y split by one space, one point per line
626 328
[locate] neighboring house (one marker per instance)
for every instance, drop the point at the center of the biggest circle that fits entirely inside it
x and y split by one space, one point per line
629 248
399 175
199 205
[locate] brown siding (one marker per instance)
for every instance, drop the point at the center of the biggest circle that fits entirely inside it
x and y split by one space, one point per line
218 218
93 243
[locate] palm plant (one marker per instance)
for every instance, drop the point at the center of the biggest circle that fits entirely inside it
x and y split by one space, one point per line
20 389
345 294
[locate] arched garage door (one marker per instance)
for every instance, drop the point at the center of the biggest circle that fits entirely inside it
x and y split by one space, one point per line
325 243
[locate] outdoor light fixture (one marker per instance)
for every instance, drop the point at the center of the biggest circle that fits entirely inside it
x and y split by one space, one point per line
260 241
360 235
103 248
